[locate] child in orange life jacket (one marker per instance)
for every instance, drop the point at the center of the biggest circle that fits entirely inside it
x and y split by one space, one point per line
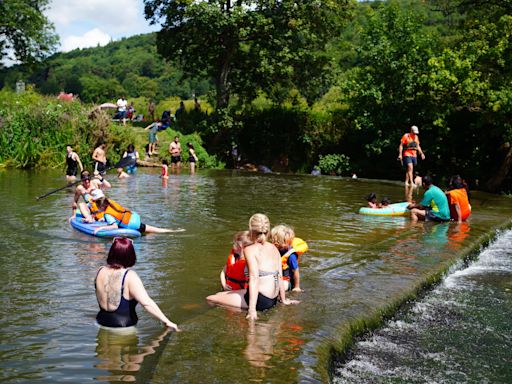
117 216
233 275
283 238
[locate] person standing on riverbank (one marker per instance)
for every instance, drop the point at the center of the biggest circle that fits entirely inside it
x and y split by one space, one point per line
433 206
72 162
408 152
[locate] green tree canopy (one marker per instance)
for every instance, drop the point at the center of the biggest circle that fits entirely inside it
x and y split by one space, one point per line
248 45
25 33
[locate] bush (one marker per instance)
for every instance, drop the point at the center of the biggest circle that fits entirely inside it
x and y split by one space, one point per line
335 164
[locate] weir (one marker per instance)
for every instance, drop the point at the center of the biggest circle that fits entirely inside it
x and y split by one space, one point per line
358 272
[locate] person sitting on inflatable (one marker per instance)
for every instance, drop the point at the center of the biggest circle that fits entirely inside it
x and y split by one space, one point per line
372 200
290 248
116 216
384 202
233 276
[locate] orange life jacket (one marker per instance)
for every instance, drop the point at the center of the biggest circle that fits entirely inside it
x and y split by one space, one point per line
411 144
115 210
235 272
299 247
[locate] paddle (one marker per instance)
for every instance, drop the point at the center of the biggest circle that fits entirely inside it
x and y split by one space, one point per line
124 162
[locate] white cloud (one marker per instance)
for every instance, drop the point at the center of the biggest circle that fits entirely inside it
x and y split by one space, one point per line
91 38
80 21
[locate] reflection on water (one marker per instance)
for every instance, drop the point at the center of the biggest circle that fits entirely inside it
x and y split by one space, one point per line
356 264
120 354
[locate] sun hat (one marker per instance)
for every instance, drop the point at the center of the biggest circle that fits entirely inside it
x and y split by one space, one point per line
415 130
97 194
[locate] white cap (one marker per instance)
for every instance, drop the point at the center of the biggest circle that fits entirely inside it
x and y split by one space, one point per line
415 130
97 194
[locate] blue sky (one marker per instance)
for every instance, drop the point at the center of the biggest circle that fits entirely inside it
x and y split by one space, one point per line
87 23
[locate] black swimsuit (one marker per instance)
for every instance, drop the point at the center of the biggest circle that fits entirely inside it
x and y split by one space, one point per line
263 301
123 316
72 165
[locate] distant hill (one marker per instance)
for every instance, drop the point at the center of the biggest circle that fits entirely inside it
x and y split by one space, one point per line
129 67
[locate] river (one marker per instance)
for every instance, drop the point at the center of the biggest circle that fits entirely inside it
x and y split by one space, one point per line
356 266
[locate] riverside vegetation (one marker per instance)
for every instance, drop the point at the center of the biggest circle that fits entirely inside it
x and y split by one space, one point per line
338 98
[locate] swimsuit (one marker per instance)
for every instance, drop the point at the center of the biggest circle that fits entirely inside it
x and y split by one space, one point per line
72 165
263 301
123 316
100 167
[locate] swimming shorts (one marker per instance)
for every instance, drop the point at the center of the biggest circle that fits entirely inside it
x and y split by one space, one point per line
263 302
175 159
410 159
430 216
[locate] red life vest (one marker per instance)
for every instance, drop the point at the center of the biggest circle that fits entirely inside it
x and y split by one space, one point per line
235 272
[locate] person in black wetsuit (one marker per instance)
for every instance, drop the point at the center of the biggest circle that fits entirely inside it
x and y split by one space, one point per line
72 163
265 274
119 289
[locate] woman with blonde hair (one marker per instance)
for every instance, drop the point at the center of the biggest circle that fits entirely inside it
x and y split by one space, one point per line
265 274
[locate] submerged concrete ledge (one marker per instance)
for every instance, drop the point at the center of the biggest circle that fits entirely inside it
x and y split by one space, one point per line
337 351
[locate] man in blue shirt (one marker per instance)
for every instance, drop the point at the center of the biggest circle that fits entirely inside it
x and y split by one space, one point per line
434 205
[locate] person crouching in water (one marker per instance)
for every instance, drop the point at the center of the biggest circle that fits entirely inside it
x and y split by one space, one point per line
116 216
283 237
265 274
119 289
233 274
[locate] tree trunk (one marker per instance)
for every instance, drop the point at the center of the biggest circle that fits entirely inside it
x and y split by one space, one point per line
494 183
222 84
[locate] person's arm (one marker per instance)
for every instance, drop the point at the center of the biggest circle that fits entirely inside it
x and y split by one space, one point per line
125 154
77 158
282 292
111 224
225 285
95 156
459 213
138 292
252 265
400 149
296 280
76 197
420 151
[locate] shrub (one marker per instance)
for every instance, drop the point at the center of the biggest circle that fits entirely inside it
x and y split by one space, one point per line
335 164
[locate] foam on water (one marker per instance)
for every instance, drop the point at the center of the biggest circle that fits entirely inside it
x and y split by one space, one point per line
459 332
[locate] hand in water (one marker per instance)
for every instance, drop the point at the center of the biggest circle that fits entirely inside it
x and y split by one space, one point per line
252 315
297 289
289 302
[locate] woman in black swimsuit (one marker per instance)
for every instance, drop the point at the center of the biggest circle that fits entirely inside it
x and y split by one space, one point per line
265 274
119 289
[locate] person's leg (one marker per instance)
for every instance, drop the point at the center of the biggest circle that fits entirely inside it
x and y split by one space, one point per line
192 167
85 211
229 298
417 214
409 176
152 229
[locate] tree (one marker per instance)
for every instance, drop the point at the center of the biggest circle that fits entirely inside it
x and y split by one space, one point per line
247 45
25 33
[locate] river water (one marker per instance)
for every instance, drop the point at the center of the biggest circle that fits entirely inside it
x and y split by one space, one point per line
356 265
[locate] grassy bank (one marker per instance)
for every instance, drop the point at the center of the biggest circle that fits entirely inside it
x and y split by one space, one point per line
36 129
